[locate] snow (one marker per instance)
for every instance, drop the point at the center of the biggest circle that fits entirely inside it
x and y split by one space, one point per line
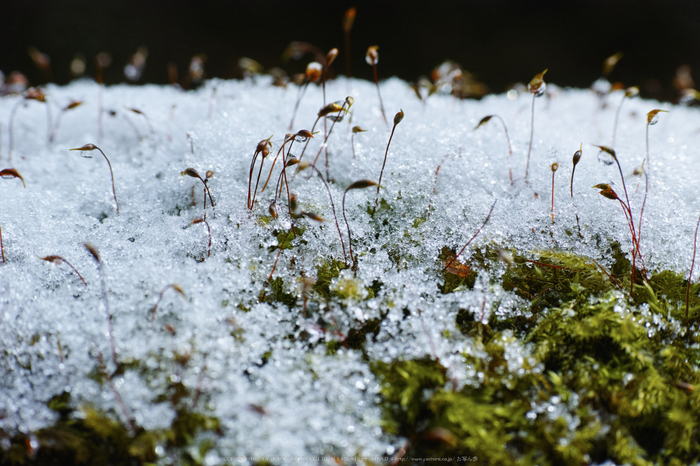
245 353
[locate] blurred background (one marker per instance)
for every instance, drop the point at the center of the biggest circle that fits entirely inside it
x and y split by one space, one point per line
499 42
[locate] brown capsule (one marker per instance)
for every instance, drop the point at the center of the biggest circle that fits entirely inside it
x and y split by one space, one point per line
416 89
554 167
350 100
35 94
303 165
135 110
631 92
292 161
610 62
349 19
638 171
372 56
312 216
209 174
293 203
103 59
10 173
92 250
197 220
362 184
303 135
53 259
606 191
607 150
190 172
250 66
299 78
483 121
72 105
314 71
537 86
273 209
330 108
617 86
683 78
86 147
263 146
398 117
652 117
577 157
357 129
196 69
41 60
330 56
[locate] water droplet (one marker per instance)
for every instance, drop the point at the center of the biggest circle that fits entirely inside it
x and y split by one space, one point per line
605 158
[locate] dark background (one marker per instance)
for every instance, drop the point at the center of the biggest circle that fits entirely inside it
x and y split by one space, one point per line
501 42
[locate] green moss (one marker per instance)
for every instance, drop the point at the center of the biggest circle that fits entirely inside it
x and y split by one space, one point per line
671 289
604 380
278 293
356 337
286 238
557 276
83 435
325 273
350 289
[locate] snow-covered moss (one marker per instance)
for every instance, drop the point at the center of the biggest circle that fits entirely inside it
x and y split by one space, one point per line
527 348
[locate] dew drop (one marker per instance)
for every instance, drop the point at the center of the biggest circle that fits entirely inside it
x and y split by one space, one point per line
605 158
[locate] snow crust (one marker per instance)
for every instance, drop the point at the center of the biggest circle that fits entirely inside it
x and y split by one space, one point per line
244 353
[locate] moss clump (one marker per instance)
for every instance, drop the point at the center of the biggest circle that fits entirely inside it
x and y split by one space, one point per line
83 435
671 289
557 276
580 376
86 436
